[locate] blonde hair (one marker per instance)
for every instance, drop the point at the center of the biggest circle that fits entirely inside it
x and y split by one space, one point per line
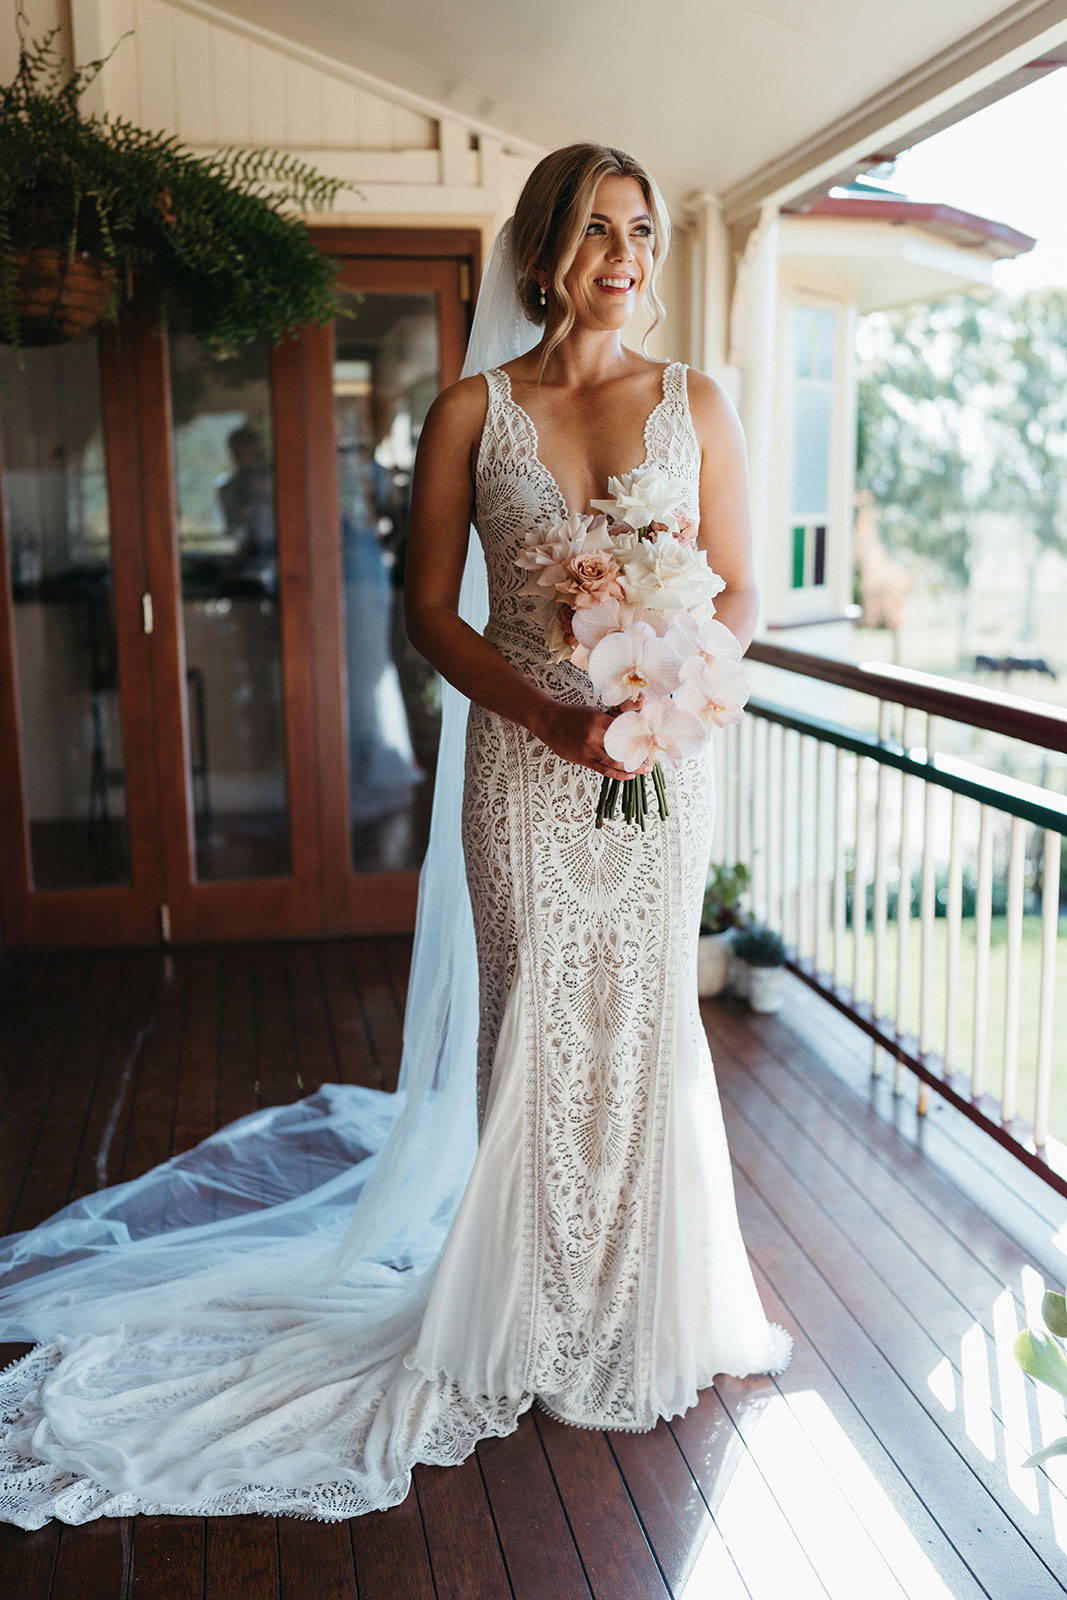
551 216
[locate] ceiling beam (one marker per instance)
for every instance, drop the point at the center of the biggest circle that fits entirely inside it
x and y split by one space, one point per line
1024 42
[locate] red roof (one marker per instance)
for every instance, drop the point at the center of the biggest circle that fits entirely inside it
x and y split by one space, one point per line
962 227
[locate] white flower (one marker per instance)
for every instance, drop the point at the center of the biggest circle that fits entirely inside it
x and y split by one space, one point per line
631 660
700 634
593 622
645 496
713 692
660 731
669 576
545 558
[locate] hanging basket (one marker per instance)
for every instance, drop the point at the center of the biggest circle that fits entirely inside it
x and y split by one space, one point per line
57 299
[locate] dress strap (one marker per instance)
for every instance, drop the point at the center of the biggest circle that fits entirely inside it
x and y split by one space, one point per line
685 436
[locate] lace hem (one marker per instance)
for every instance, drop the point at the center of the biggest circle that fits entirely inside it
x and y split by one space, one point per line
780 1353
33 1492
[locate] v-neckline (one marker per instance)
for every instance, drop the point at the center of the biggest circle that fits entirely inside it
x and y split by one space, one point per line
547 470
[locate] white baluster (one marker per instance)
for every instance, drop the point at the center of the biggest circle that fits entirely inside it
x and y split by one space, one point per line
954 924
1009 1085
982 923
1050 909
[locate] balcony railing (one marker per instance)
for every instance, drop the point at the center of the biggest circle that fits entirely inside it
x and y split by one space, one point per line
917 890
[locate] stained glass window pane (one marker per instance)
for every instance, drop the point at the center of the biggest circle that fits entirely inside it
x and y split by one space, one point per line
819 574
798 557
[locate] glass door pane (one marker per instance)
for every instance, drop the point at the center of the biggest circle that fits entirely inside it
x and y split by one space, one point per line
55 498
224 468
385 376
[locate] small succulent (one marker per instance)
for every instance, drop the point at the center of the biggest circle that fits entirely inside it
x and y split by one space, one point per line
1041 1355
760 946
726 888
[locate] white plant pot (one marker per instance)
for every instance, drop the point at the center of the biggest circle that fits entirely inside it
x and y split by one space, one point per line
713 962
738 976
766 988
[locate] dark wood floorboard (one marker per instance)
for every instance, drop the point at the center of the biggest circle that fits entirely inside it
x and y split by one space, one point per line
947 1298
902 1253
392 1559
614 1549
1002 1187
539 1551
465 1555
884 1330
767 1551
687 1541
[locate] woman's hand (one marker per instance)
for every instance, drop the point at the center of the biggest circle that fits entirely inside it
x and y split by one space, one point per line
576 733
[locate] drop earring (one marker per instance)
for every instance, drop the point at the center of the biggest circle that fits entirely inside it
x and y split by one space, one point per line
542 294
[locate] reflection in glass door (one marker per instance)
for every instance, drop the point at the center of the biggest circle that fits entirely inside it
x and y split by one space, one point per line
385 376
55 499
224 471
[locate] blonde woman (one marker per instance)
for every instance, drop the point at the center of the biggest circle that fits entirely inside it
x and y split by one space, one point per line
601 1210
289 1317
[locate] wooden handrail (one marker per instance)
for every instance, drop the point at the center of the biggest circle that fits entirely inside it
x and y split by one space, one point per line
991 709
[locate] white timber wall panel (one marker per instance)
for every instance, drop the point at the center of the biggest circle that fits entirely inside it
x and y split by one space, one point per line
155 51
233 92
302 100
194 78
216 81
267 122
96 28
339 116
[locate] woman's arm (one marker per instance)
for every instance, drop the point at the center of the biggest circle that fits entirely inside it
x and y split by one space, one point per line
725 516
442 505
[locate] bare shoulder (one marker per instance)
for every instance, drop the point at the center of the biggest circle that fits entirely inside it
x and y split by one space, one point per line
714 414
460 407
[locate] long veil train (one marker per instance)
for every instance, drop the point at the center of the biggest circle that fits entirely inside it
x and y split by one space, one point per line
261 1284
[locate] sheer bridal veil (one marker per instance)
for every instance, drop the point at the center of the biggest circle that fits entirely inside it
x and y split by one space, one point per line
338 1203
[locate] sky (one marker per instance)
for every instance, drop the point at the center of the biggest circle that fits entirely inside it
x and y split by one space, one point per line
1006 162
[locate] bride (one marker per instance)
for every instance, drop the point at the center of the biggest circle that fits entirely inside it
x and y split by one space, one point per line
288 1317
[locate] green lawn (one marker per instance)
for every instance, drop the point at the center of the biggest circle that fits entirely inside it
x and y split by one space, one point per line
1028 1003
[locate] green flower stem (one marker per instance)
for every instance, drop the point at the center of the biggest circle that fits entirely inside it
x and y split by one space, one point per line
642 800
661 788
602 803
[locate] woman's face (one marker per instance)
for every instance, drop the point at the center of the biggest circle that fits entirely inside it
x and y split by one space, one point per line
614 260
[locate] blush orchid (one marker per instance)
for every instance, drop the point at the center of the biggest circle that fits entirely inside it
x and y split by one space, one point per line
659 729
625 594
631 661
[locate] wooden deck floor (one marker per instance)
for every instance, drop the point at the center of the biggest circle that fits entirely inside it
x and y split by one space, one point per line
903 1257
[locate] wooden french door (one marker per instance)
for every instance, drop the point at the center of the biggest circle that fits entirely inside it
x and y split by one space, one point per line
399 339
78 817
212 724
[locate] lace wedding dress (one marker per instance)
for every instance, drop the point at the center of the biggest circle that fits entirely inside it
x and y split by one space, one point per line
595 1263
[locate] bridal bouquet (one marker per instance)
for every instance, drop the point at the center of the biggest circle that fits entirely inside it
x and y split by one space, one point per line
626 595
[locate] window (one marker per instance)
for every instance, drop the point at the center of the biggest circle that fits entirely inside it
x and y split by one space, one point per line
813 331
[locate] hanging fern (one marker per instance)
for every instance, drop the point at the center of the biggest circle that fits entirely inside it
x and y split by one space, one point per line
211 239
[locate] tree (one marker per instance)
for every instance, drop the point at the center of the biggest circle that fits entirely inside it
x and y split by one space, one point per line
962 408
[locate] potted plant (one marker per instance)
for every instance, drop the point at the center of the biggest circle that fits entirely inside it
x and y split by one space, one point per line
763 952
720 915
96 214
1041 1355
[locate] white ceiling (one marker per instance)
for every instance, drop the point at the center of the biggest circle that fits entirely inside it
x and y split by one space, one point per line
705 92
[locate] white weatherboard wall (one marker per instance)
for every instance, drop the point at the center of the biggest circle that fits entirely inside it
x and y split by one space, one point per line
215 80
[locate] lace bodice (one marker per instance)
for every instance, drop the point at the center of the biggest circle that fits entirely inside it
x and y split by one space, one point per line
592 1055
515 491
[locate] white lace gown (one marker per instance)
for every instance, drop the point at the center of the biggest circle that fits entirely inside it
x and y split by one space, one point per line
595 1265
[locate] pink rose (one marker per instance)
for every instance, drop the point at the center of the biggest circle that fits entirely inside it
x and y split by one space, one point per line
588 578
687 530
